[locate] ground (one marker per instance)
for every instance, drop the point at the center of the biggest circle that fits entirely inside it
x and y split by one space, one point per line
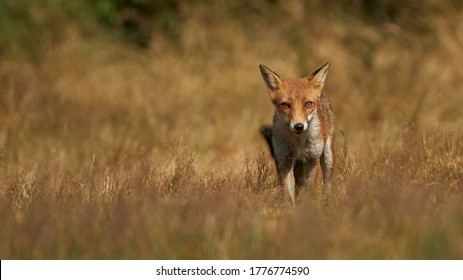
115 151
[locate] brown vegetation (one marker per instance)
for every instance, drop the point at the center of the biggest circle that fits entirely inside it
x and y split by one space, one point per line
114 151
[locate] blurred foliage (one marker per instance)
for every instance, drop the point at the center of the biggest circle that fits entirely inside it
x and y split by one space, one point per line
133 19
26 27
129 129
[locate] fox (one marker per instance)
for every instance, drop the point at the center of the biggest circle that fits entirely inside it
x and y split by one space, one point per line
301 139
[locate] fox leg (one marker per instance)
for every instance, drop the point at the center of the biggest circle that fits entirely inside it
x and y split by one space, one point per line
304 173
311 172
300 174
286 176
283 162
327 163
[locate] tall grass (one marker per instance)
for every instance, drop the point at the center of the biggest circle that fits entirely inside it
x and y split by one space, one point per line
114 150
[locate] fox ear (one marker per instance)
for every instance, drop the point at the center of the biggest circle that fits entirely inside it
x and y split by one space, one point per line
318 77
271 79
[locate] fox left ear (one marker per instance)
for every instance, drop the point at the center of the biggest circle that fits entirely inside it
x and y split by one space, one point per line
271 79
319 75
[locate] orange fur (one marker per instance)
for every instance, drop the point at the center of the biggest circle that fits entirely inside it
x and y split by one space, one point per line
302 135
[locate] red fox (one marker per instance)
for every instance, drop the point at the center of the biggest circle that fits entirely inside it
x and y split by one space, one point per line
302 136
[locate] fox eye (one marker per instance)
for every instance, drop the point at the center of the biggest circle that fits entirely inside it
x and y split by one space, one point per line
285 105
308 104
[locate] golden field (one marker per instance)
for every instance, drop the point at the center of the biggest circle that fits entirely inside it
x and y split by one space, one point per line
116 148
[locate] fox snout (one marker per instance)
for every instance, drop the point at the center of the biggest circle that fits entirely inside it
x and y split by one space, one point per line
300 125
298 128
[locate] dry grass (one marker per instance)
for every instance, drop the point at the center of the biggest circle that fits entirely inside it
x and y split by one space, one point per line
108 151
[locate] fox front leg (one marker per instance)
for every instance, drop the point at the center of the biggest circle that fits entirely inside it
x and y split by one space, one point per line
327 170
305 173
327 163
286 176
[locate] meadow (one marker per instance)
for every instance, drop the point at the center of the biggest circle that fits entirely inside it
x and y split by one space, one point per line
133 132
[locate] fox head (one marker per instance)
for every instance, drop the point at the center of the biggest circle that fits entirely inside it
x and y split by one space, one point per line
295 100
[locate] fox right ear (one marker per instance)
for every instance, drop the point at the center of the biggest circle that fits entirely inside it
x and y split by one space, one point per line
271 79
319 76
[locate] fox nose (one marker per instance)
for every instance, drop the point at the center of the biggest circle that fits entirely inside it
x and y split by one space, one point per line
299 127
